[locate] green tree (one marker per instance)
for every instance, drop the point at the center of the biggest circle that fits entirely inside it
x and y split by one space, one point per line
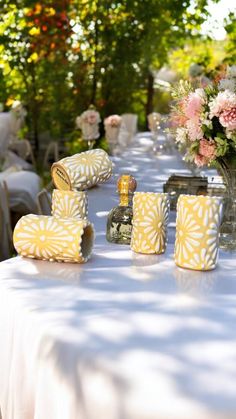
61 56
230 28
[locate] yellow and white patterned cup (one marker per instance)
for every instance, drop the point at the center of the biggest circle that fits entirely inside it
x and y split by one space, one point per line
197 231
150 217
82 171
54 239
72 204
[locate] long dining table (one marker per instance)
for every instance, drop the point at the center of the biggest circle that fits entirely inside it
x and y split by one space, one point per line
124 336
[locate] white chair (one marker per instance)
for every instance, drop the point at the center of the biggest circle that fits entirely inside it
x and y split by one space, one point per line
6 246
52 150
44 202
130 122
23 149
10 123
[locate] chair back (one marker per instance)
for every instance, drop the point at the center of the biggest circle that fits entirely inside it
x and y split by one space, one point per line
23 149
6 246
44 202
52 151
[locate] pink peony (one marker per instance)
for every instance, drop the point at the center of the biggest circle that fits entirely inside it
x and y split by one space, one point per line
228 118
194 129
224 101
193 105
200 160
207 149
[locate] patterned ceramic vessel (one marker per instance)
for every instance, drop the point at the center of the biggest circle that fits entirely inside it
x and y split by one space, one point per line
71 204
150 217
54 239
197 231
82 171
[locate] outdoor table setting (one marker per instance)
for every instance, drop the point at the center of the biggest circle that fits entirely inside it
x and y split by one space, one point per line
126 335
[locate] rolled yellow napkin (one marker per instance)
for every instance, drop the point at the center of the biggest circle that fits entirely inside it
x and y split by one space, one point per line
54 239
82 171
197 231
150 216
73 204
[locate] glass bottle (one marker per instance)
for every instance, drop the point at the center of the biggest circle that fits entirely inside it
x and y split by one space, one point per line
119 222
228 226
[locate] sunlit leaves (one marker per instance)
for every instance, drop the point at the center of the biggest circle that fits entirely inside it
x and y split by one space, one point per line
60 55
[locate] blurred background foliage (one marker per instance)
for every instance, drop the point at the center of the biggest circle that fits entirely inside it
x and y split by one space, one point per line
60 56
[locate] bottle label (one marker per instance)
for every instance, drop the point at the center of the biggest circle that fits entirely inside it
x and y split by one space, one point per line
120 233
60 178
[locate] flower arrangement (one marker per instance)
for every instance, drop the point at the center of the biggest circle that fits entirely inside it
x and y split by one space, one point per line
112 121
90 117
206 120
88 122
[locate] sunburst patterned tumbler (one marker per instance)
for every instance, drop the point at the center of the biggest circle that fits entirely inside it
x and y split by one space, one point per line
54 239
73 204
82 171
150 217
197 231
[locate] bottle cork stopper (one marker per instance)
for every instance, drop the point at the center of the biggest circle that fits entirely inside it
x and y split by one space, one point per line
126 184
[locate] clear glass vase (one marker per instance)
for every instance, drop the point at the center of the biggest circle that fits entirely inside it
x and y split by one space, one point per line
228 225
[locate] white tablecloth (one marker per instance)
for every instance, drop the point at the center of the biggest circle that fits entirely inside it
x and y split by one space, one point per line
125 336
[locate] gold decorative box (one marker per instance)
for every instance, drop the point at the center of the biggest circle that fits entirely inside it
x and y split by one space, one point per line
179 184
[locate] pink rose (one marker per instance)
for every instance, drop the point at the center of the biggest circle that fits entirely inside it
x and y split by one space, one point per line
113 121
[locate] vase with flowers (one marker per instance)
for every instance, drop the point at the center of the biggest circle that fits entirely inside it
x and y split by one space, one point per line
112 126
88 122
205 122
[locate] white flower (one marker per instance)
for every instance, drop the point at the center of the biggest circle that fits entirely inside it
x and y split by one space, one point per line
207 123
231 135
231 71
227 84
181 135
90 117
201 93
